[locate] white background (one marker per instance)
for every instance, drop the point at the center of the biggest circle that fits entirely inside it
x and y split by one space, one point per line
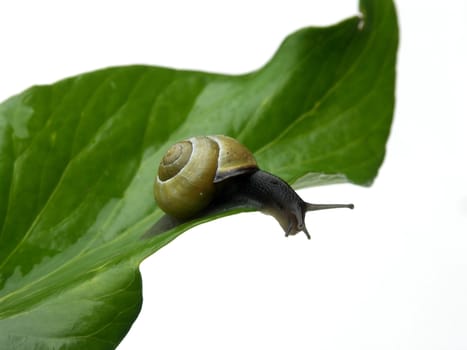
392 274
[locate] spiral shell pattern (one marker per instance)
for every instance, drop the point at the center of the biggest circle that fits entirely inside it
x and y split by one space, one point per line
190 169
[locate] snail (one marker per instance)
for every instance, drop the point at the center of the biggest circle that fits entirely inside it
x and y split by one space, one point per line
208 174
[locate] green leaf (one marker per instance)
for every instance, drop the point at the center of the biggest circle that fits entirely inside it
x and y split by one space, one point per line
78 159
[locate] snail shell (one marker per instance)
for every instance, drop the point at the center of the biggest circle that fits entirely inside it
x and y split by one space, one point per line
191 170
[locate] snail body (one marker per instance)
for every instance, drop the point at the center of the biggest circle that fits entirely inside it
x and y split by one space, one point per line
208 173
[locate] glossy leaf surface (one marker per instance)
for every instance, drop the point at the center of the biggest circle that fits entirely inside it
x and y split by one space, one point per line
78 158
